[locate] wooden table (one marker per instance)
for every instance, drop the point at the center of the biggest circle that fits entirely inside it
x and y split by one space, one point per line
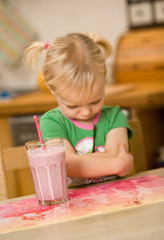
137 95
144 95
145 100
139 222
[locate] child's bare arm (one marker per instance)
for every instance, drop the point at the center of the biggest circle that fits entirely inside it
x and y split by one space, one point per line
114 138
117 146
89 165
114 160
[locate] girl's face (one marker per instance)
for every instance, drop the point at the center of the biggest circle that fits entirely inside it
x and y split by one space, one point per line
85 109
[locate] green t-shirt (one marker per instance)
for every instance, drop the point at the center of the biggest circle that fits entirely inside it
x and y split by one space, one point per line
83 138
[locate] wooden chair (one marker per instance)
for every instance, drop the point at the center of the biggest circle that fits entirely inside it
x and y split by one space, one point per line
15 159
136 146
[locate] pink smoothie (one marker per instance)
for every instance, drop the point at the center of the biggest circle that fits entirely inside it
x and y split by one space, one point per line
49 174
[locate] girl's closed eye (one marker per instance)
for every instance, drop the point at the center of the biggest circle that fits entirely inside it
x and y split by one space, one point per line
96 102
71 107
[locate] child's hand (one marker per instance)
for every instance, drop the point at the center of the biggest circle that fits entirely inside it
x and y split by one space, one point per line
126 160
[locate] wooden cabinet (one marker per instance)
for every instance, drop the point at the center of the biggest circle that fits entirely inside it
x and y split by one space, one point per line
139 56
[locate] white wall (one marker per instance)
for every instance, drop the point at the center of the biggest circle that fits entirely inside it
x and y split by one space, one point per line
52 18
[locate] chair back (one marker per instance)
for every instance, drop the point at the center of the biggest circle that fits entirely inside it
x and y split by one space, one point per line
14 159
137 147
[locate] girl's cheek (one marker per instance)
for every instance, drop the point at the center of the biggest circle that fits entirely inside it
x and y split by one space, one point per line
73 112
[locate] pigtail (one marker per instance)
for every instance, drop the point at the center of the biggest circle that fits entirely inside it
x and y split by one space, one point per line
32 54
103 44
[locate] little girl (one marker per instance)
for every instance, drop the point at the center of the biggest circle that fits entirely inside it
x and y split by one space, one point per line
96 136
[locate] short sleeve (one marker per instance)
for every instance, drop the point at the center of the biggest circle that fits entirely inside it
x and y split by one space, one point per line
52 128
120 120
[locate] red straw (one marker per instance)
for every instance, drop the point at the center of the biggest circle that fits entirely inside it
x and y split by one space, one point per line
39 132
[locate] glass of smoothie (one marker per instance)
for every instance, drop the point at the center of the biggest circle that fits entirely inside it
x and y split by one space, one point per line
47 164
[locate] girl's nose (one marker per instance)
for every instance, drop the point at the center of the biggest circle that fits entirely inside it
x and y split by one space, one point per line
86 111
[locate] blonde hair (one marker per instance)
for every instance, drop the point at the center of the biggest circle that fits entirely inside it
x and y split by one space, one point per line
70 61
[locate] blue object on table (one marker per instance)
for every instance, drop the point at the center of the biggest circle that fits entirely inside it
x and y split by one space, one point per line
4 95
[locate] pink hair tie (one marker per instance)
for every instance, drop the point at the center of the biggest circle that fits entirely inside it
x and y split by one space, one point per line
46 44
